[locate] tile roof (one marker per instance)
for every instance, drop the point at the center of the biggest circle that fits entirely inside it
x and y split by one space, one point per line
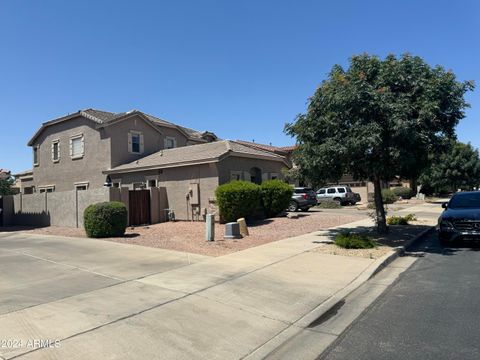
105 117
278 150
25 172
194 154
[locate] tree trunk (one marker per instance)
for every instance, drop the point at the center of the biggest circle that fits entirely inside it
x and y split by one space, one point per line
379 209
413 186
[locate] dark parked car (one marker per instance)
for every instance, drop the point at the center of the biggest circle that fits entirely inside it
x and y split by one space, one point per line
461 218
303 198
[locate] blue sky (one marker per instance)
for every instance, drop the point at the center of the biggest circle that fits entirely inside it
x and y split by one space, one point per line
239 68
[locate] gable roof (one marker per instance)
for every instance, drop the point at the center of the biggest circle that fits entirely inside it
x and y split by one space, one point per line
105 118
195 154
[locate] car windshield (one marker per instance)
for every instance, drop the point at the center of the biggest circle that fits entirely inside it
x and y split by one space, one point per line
465 201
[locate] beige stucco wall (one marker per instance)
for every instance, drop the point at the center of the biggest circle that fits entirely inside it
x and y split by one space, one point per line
236 163
64 173
174 184
104 148
62 208
153 140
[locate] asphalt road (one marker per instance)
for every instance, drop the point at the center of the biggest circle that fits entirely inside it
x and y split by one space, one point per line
431 312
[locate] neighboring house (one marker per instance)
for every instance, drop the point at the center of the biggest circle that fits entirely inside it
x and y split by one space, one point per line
72 152
285 151
24 182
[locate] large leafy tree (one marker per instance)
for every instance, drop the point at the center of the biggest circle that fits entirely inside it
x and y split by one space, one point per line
376 120
457 168
6 186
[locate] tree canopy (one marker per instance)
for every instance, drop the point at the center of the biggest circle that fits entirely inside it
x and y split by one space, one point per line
457 168
378 119
6 186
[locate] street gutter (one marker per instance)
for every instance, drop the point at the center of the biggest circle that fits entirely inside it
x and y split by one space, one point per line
328 308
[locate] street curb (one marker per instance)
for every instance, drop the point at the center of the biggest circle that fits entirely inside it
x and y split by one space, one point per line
329 306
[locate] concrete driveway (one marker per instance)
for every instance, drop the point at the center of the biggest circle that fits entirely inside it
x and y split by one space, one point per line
93 299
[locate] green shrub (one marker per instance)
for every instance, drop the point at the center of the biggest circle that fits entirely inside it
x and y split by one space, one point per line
354 241
410 217
106 219
329 204
237 199
371 206
276 195
400 220
388 196
397 220
403 192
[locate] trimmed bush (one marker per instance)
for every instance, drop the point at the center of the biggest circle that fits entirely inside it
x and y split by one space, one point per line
397 220
276 196
329 204
354 241
403 192
400 220
106 219
388 196
237 199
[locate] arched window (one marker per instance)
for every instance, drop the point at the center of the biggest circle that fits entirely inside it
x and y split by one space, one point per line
256 175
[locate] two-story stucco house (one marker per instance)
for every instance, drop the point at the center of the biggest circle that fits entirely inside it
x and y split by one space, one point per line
156 165
72 152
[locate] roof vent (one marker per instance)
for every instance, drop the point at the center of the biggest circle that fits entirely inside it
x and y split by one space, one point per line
131 111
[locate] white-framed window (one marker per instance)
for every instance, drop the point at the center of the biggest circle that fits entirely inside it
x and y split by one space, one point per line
48 189
152 183
36 149
138 186
80 186
77 146
135 142
235 175
116 184
170 142
56 150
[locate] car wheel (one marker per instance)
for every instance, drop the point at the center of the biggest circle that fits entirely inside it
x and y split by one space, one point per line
338 201
293 206
444 240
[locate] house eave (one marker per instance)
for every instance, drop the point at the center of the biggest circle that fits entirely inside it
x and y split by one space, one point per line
159 167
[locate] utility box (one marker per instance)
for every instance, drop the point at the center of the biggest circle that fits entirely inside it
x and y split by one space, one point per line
210 227
194 194
232 231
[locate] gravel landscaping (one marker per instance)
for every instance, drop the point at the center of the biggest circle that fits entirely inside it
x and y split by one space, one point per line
189 236
397 236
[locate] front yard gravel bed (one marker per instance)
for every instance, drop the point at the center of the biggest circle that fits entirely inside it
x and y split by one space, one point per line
190 236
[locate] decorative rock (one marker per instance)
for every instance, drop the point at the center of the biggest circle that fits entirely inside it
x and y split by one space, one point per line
243 227
292 215
232 231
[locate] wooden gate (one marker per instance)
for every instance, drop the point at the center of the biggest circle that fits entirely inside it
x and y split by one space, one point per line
139 207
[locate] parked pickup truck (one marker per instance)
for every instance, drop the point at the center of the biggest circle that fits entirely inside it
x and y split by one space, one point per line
343 195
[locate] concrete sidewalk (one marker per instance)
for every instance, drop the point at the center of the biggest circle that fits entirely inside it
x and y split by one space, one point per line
230 307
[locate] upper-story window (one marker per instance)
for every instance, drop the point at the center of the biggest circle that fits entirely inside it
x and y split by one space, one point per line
135 142
56 150
170 142
35 155
77 146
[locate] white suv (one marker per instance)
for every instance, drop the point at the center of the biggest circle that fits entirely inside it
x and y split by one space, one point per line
340 194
